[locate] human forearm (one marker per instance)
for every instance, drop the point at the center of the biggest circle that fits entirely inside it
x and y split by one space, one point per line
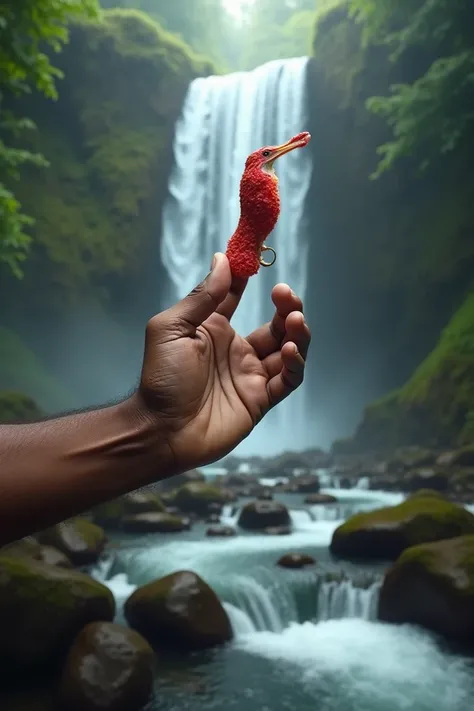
55 469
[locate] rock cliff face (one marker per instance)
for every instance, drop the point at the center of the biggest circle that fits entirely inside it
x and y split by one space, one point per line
95 261
391 259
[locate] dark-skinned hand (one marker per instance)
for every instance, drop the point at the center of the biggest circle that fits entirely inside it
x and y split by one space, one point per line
207 386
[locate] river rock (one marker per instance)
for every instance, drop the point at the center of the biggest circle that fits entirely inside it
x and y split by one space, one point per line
278 531
295 560
213 519
385 533
425 479
110 514
432 585
221 532
42 609
258 515
108 668
198 498
173 483
459 458
179 611
80 540
155 523
316 499
307 484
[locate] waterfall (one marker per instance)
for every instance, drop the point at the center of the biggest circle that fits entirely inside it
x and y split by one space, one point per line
268 605
337 600
223 120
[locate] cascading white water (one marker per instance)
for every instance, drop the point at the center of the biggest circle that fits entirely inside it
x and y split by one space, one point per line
338 600
224 119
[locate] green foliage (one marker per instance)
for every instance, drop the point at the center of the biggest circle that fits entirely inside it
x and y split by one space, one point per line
107 136
203 25
26 28
277 29
435 406
433 113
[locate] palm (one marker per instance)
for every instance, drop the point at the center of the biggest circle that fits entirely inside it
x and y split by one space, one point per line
213 386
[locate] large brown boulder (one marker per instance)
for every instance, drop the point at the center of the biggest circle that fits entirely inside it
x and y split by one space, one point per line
199 498
111 514
108 668
42 609
155 523
179 611
258 515
432 585
80 540
385 533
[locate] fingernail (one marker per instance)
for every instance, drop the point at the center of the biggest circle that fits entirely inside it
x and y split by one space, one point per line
214 262
293 294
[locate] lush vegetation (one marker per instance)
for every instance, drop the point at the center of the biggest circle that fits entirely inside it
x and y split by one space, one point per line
205 25
431 113
24 66
277 29
436 406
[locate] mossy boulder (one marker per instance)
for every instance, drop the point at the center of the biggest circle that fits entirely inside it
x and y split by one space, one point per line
385 533
199 498
155 523
179 611
42 609
29 548
108 668
432 585
261 515
110 514
80 540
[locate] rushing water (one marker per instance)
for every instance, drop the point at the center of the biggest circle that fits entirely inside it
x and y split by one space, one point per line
224 119
304 639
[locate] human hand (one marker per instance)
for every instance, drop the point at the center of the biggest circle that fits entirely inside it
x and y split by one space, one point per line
207 387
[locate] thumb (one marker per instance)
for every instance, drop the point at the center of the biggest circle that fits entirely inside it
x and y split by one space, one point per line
203 300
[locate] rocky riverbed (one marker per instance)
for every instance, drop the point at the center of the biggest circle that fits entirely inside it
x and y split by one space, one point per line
227 590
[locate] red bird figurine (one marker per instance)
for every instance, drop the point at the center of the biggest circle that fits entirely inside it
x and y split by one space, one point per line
259 208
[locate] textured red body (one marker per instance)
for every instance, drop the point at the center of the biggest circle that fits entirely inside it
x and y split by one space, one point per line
259 207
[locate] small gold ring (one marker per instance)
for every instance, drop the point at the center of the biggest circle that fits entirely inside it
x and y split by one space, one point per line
267 249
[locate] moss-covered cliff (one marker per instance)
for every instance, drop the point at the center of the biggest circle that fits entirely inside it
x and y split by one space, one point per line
392 259
95 261
436 405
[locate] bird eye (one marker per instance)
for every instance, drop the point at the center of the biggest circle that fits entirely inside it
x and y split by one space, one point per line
265 154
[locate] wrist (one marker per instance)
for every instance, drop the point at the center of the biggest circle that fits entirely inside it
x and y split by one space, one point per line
152 442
